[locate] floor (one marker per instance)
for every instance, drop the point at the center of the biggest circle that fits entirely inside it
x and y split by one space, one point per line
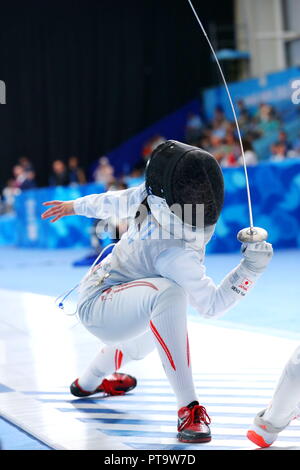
236 362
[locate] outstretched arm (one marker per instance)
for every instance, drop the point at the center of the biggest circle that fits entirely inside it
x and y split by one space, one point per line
121 204
58 210
185 267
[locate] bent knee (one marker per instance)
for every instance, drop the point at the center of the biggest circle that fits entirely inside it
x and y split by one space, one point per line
140 347
171 288
170 294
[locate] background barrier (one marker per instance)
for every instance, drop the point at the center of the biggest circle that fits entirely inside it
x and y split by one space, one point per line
275 197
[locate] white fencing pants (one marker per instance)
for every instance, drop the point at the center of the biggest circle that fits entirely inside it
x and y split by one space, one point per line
286 398
130 318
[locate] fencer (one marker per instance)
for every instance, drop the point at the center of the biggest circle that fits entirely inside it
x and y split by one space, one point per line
136 299
283 408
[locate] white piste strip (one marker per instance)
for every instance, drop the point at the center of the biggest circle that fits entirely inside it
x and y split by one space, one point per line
55 429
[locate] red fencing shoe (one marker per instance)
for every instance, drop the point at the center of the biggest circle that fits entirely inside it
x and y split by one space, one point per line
193 424
116 384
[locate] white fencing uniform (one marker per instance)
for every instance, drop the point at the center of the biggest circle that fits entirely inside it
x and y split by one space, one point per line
285 404
142 288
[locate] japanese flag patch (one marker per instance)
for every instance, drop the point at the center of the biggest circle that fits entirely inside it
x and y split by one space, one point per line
245 285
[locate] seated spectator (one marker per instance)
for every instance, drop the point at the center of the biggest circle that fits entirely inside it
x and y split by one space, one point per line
267 120
244 117
9 193
283 139
59 176
23 174
151 145
19 176
246 122
279 152
217 148
219 120
25 163
193 128
204 142
250 156
104 173
29 180
76 173
223 147
147 150
232 145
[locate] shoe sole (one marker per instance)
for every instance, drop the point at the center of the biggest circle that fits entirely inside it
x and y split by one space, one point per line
79 394
121 389
198 440
257 439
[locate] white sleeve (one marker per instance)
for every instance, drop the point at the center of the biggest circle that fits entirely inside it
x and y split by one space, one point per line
185 267
121 204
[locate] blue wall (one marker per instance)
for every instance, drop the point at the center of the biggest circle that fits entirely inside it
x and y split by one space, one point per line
274 89
276 207
32 231
275 190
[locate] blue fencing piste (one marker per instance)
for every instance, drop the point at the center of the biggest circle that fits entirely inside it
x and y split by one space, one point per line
276 207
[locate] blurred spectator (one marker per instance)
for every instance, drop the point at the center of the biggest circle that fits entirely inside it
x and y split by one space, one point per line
267 120
204 142
76 173
24 176
219 120
25 163
151 145
244 117
232 150
9 193
29 180
250 155
104 172
193 128
19 176
59 176
216 147
218 138
247 122
279 152
283 139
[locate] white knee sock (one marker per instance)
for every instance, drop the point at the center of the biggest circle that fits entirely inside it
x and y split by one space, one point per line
169 326
107 361
287 394
111 358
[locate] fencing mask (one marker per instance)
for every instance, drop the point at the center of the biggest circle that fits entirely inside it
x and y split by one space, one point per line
186 177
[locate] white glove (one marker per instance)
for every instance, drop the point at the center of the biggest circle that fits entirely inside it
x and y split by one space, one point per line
257 256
